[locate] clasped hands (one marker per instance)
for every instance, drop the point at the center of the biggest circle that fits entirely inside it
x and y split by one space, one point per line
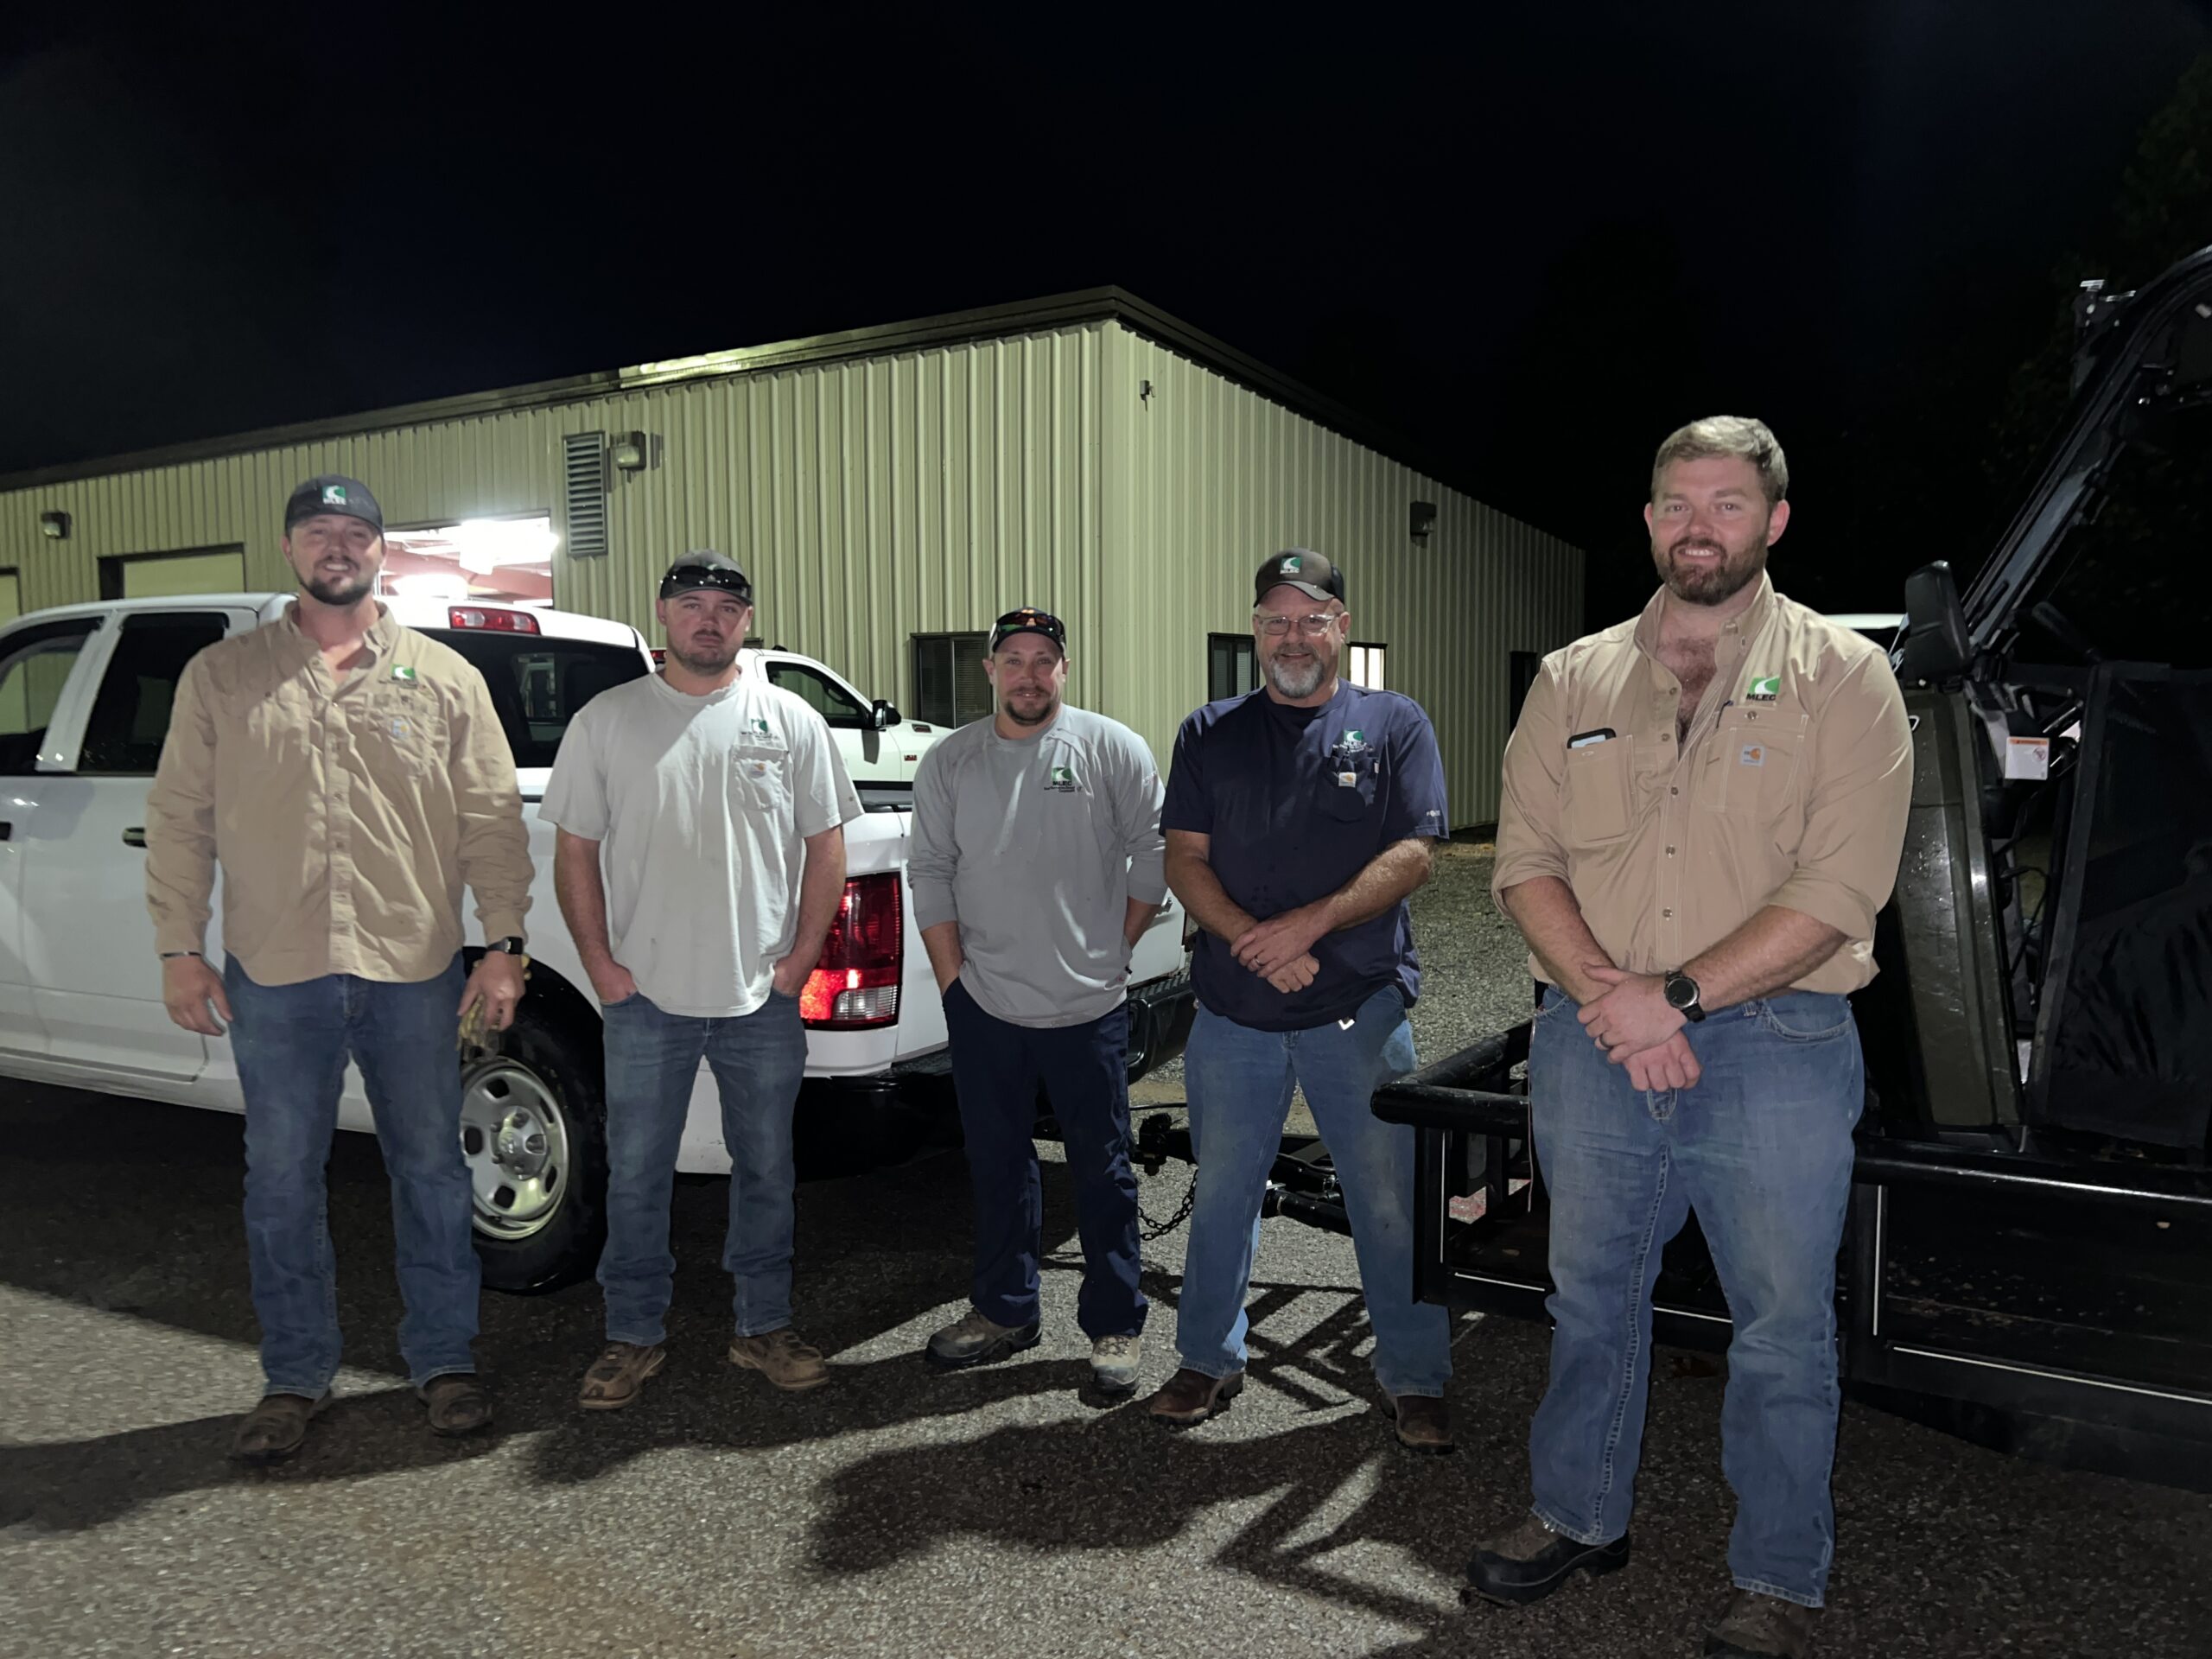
1639 1029
1281 948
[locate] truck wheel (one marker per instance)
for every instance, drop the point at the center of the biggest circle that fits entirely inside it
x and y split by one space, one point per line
533 1131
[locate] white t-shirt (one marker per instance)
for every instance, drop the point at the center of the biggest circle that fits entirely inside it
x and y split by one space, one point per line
702 806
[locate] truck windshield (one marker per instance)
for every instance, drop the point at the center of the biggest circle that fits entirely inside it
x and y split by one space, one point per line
537 684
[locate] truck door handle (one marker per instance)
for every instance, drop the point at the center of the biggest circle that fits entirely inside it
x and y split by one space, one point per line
134 837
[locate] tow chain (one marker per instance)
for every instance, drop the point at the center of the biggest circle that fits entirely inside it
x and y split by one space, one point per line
1152 1229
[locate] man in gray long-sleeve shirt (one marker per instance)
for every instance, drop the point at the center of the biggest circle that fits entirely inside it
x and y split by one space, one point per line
1037 864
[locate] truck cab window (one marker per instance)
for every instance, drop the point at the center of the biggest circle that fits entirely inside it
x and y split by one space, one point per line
34 665
840 710
131 716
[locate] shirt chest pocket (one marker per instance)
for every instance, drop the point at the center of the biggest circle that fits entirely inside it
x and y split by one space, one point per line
1348 788
760 774
1751 765
403 730
1597 794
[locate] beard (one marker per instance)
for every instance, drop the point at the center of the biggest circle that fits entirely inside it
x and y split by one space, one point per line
1038 716
1299 677
1727 575
341 594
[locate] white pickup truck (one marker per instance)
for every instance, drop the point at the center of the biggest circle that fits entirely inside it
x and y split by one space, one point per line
85 695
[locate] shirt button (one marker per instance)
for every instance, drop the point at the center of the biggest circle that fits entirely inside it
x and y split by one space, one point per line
1673 789
1670 852
1666 912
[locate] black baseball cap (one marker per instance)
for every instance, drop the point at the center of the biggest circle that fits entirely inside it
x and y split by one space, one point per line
1029 619
332 493
704 567
1303 569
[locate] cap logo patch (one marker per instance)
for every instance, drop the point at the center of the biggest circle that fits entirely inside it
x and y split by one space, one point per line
1290 565
1765 691
334 495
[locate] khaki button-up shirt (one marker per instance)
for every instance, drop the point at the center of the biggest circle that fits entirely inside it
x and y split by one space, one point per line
1790 788
346 812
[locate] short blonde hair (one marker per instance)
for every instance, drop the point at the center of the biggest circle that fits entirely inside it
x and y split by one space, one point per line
1719 436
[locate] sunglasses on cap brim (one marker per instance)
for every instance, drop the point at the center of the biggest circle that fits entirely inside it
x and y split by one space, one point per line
693 576
1015 622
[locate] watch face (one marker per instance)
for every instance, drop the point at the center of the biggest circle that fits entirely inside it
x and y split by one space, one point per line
1681 992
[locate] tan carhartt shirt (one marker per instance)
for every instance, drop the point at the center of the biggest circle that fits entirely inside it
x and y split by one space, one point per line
1790 789
345 813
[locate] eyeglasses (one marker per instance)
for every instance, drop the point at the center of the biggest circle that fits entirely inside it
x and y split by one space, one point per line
1312 625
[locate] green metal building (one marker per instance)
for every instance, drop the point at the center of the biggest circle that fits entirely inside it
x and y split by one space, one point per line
890 490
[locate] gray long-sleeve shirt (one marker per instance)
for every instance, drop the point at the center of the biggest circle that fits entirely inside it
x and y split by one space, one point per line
1035 847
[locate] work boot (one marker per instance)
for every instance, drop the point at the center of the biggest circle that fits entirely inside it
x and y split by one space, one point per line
458 1405
1114 1362
618 1376
275 1429
1423 1423
977 1339
781 1357
1530 1562
1190 1397
1764 1627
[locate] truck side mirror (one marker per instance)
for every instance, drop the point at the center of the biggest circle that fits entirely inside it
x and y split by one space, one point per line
886 714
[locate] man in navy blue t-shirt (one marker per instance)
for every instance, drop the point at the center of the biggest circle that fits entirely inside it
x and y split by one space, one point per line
1299 818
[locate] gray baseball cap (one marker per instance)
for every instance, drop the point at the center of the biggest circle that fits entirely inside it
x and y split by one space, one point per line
704 567
332 493
1301 569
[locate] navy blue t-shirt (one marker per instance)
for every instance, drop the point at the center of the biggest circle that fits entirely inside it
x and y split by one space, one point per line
1296 802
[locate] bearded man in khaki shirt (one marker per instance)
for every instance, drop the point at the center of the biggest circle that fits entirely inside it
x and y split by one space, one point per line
348 776
1704 808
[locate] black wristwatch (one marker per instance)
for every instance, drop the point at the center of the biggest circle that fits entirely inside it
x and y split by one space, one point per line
1682 996
512 946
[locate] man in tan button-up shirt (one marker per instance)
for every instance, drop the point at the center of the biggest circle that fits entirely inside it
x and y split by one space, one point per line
349 777
1703 811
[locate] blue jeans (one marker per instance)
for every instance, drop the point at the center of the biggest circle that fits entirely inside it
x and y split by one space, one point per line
1761 1148
653 1062
996 1069
291 1043
1240 1083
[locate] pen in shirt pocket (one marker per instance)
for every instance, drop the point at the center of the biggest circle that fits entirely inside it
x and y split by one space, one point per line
1584 739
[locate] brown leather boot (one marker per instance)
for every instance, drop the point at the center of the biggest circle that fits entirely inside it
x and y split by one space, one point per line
1424 1424
1189 1397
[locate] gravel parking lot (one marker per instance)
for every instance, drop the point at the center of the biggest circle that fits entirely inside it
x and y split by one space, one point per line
896 1512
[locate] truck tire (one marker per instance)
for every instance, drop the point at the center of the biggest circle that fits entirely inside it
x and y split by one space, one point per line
533 1132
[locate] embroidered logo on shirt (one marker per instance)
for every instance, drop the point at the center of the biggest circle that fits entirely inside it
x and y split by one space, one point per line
1765 691
1752 754
401 672
760 726
1347 780
1353 741
399 729
1062 778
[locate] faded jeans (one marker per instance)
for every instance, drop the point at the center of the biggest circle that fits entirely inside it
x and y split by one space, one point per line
1240 1081
1761 1149
291 1043
652 1063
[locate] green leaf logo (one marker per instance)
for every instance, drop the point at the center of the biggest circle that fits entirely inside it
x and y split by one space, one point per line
1355 736
334 495
760 726
1769 687
1290 566
401 672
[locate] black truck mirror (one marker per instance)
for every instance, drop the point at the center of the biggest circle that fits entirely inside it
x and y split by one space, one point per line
1936 646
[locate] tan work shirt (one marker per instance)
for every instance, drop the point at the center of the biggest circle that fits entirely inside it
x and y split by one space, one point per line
1790 789
346 812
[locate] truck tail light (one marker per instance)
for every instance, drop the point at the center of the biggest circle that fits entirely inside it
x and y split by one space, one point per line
856 985
488 619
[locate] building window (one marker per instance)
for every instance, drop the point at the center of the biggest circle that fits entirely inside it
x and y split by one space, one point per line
1231 668
173 575
951 687
1363 666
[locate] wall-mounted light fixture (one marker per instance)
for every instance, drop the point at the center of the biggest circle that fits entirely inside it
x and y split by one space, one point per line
1422 519
629 451
54 526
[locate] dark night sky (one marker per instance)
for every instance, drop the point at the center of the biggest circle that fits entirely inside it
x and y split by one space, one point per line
1534 245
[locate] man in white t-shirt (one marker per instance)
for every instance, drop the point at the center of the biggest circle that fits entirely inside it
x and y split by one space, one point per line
700 861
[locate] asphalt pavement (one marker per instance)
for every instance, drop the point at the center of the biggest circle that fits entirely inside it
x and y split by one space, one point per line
896 1511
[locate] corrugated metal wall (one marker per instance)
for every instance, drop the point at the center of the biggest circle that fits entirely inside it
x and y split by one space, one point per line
869 500
926 491
1205 479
